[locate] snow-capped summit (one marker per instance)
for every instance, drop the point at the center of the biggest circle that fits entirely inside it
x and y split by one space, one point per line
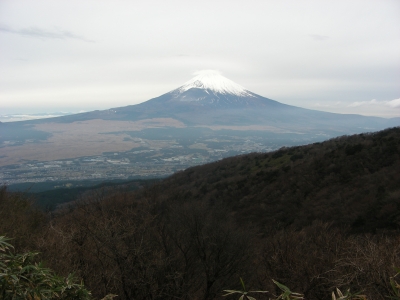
214 81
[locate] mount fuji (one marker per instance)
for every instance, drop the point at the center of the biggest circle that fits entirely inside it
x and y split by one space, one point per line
210 99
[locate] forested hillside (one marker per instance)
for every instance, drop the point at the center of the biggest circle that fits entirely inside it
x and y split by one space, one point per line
350 181
314 217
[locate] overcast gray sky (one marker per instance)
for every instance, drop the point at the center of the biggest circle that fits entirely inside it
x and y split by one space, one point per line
339 56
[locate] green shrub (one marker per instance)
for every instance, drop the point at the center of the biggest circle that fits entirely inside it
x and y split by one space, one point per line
22 278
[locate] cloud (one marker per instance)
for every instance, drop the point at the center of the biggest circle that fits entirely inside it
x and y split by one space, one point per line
362 103
384 108
24 117
36 32
391 103
207 72
338 103
318 37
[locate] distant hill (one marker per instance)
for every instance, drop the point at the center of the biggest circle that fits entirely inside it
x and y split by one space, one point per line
350 180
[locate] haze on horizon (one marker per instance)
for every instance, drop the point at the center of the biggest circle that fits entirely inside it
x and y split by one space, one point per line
337 56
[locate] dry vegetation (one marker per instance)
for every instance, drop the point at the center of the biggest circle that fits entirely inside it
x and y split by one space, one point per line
82 138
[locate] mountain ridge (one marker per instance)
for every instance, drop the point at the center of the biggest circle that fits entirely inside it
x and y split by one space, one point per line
349 181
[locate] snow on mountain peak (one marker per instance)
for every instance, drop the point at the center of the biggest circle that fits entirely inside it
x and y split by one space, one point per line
213 80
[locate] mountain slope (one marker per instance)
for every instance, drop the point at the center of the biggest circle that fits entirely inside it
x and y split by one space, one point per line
351 181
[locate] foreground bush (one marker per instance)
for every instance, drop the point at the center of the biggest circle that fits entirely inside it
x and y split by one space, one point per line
22 278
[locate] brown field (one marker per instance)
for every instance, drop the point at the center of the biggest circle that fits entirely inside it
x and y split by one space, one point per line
250 127
86 138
